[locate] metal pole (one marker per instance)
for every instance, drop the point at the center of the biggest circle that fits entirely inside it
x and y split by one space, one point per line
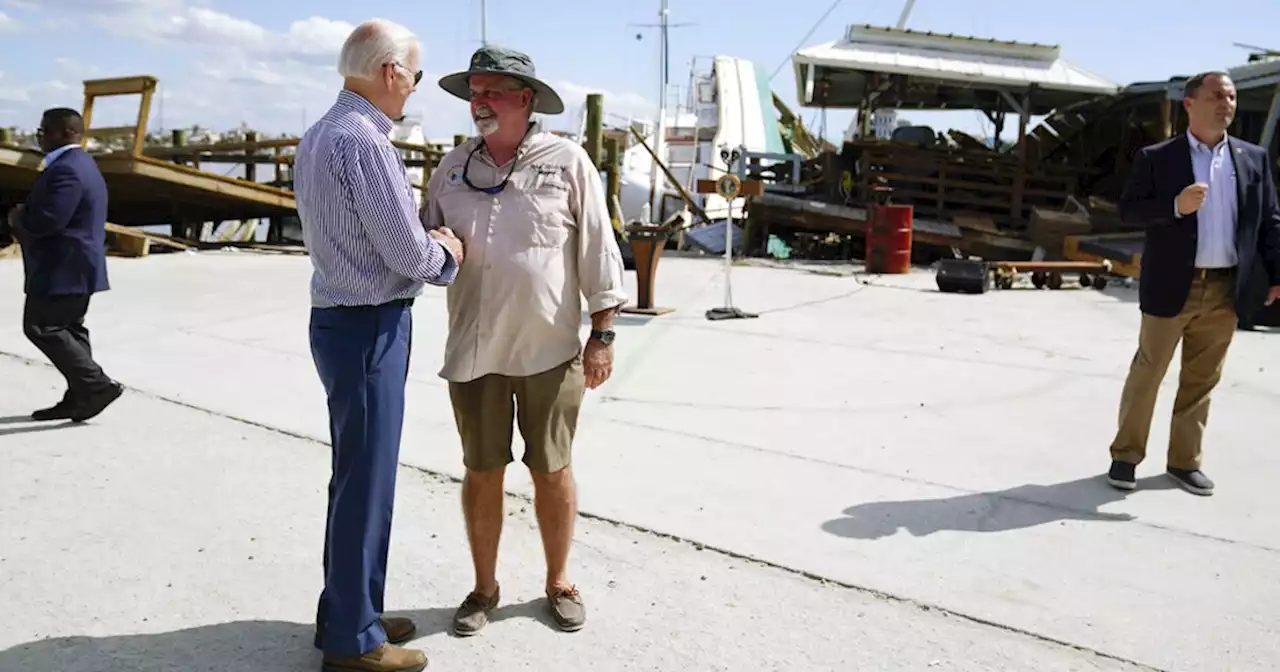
728 258
906 14
1269 129
659 141
484 33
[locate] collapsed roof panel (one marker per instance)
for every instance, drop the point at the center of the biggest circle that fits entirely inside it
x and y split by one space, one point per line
924 70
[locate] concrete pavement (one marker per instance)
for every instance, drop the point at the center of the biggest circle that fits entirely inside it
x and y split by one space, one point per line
160 537
941 449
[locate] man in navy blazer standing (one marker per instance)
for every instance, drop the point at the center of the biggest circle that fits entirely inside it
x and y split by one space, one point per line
62 230
1208 204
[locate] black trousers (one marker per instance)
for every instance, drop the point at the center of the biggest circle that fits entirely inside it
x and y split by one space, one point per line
54 323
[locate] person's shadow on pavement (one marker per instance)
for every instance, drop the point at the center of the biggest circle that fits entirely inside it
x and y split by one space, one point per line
23 424
241 646
999 511
441 619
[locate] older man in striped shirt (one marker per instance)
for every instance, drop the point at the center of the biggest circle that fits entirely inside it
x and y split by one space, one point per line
371 257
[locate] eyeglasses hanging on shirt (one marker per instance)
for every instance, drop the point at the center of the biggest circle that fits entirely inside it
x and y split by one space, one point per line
496 189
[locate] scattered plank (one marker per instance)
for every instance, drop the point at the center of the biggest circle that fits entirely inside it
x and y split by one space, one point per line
137 243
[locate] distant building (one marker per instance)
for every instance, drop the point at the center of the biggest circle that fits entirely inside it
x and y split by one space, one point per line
883 122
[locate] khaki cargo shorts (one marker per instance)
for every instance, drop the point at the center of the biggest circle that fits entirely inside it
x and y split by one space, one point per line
545 405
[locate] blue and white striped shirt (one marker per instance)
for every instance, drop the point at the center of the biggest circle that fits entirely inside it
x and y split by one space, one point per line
359 222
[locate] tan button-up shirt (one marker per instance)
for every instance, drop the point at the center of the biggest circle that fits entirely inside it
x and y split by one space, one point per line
532 252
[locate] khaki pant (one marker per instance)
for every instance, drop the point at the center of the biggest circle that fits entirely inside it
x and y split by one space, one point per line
1205 328
545 405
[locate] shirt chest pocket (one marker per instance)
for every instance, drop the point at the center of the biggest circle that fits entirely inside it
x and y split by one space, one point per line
543 215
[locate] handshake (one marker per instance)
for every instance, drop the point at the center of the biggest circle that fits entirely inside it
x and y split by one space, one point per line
449 239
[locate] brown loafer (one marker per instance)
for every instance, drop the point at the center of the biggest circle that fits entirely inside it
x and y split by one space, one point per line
399 631
567 609
385 658
473 614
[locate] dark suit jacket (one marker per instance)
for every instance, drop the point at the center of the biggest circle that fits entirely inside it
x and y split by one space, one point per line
1160 172
63 232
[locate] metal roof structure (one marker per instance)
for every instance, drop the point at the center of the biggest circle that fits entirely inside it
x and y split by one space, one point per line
931 71
1264 72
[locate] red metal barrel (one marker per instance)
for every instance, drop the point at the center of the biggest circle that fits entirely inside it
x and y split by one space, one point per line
889 238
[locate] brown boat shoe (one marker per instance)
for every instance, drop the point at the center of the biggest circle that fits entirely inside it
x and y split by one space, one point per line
567 608
386 658
473 614
399 630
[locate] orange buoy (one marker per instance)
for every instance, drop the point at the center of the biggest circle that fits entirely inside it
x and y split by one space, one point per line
889 239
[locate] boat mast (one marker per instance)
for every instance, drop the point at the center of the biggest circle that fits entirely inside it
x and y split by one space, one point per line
484 20
660 132
906 14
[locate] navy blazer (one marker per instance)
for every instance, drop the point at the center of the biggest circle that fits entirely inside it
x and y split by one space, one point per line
63 233
1160 172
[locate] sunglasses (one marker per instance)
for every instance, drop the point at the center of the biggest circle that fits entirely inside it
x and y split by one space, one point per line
417 75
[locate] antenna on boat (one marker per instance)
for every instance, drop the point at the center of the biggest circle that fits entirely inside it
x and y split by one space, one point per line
664 71
484 20
1257 53
906 14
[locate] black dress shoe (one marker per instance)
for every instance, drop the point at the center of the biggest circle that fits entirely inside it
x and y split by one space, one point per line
96 402
63 410
1192 480
1121 475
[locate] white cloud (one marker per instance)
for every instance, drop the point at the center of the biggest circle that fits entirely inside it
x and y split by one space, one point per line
242 72
618 105
27 99
8 24
172 21
317 36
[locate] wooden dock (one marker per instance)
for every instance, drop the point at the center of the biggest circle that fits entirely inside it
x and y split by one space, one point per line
18 171
158 185
146 190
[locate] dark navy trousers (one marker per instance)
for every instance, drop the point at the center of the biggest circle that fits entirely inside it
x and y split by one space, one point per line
362 356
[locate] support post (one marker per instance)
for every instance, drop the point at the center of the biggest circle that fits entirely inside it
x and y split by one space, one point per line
251 168
595 127
1269 129
179 139
613 179
459 139
1020 181
1166 119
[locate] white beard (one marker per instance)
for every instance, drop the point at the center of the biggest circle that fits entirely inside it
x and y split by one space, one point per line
487 126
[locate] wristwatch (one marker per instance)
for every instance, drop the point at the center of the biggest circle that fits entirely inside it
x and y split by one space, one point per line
605 336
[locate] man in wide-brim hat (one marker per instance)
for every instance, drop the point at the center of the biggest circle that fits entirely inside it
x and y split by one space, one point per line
530 206
491 60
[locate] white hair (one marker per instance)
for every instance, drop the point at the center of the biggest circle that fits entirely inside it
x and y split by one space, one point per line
373 44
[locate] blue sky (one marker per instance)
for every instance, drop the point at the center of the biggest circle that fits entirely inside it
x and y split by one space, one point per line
271 64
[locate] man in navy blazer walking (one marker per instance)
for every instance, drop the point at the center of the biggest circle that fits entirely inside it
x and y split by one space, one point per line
1208 204
62 230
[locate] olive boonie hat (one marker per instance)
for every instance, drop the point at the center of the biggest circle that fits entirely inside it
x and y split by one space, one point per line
491 60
